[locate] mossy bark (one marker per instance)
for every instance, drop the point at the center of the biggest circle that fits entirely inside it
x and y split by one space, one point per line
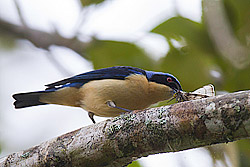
120 140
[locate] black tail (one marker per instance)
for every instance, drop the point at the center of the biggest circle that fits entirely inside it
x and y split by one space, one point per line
28 99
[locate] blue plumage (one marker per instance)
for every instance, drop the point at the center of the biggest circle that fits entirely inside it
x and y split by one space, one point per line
117 72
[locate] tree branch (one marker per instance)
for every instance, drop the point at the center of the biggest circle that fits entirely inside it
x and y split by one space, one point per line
20 14
120 140
42 39
223 36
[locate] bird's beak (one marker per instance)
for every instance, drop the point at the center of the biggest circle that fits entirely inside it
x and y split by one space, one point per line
174 91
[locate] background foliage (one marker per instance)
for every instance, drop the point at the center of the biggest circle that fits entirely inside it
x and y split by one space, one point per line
193 56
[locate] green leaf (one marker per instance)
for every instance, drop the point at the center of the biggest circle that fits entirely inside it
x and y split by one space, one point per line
134 164
236 79
113 53
190 67
7 41
194 33
238 15
243 146
90 2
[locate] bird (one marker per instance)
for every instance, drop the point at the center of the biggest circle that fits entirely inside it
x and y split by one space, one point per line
106 92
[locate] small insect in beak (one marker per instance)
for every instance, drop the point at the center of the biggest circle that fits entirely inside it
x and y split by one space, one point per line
204 92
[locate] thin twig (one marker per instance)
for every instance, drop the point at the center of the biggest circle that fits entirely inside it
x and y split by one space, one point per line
42 39
20 14
58 65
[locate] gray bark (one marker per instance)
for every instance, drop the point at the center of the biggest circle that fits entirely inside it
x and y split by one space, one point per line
42 39
120 140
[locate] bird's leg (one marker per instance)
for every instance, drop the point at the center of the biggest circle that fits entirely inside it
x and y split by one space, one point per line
91 116
113 105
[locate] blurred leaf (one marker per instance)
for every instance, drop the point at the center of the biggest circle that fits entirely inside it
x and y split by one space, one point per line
194 33
190 67
236 80
191 63
112 53
134 164
223 153
90 2
244 150
238 13
7 41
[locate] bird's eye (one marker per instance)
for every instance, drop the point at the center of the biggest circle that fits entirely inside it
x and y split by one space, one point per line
169 79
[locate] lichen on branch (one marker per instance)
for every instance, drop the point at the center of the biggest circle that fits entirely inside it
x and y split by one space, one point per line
120 140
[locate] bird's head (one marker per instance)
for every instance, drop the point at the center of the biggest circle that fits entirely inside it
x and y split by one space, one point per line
165 79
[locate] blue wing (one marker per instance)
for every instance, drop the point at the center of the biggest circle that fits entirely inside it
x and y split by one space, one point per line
118 72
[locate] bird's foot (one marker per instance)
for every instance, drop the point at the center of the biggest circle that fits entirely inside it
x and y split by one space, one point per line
91 116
